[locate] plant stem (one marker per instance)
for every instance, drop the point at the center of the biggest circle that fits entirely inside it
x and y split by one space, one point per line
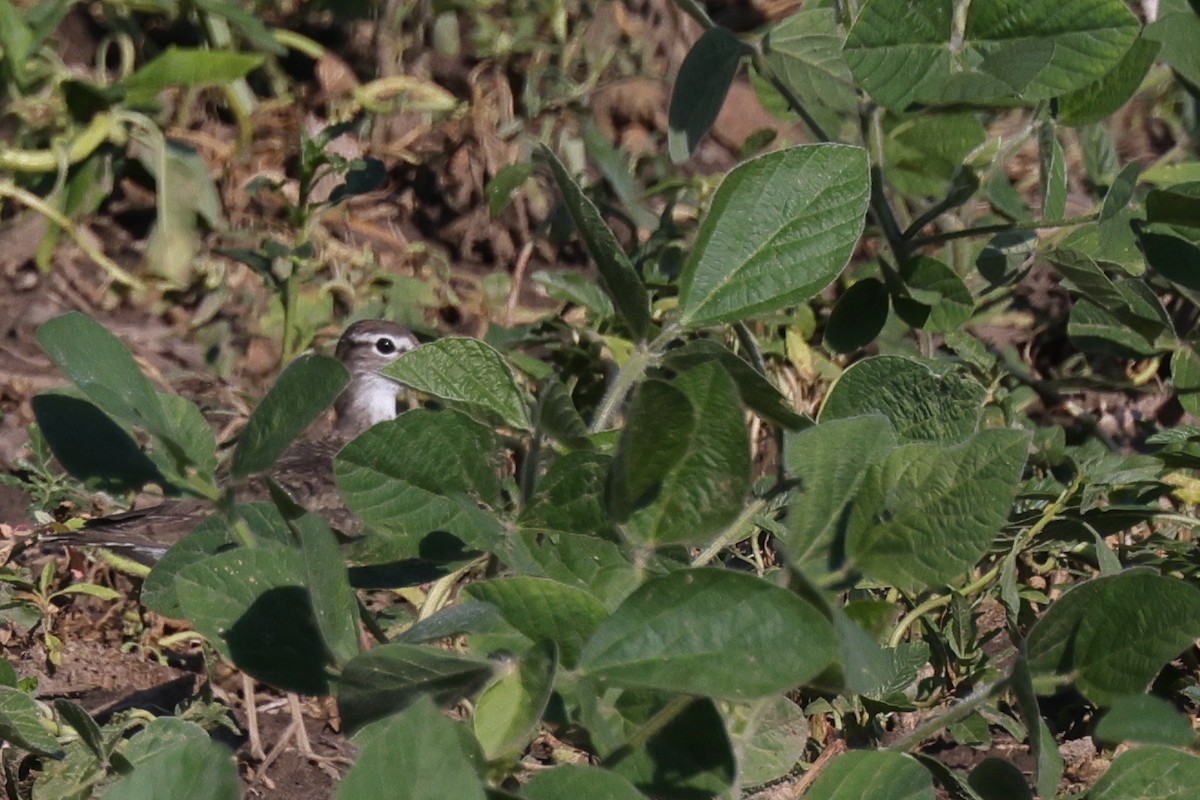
982 230
642 358
950 716
11 190
736 531
1050 513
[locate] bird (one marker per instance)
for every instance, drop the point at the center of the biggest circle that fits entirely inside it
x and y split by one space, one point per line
305 469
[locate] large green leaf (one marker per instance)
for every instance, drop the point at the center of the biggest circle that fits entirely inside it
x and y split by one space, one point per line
829 462
805 52
925 400
756 390
394 676
467 374
706 487
417 482
780 228
996 51
871 774
21 723
419 754
688 757
179 66
620 279
660 423
700 88
334 604
545 610
1144 719
211 535
858 317
91 445
1149 773
577 780
570 496
1106 94
103 369
1178 31
508 712
1157 618
687 632
253 607
175 758
301 393
928 512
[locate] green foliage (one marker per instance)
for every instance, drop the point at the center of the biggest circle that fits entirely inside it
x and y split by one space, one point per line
617 586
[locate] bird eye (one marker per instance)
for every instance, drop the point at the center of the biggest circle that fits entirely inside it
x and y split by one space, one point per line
385 346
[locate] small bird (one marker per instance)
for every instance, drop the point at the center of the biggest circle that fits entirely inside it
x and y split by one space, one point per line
305 469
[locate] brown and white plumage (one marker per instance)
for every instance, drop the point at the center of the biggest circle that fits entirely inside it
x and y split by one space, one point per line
305 469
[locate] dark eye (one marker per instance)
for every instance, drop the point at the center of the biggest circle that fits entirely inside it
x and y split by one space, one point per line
385 346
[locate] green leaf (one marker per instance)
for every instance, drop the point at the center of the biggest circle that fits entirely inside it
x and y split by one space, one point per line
187 201
686 632
417 482
705 487
1144 719
829 462
858 317
1177 205
571 287
1052 175
418 754
1149 773
545 610
700 88
925 401
871 774
577 780
924 152
1093 329
20 724
253 607
1178 31
904 54
507 713
805 51
503 185
100 365
334 604
1185 377
301 393
467 374
179 66
769 736
103 369
688 757
620 279
997 779
394 676
756 390
86 727
570 496
1176 258
780 228
939 301
212 535
91 445
177 759
1075 635
928 512
1109 92
657 430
